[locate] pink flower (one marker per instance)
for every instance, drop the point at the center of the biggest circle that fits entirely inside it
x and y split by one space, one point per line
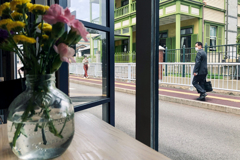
57 14
79 27
65 52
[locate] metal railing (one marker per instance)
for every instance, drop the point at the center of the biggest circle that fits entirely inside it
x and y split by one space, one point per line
133 6
121 11
124 71
224 76
94 69
125 57
215 54
163 1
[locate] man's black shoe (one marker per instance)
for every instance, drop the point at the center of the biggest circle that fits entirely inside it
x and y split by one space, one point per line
202 97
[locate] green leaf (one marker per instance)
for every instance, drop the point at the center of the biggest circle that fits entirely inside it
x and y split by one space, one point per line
22 130
56 64
58 30
7 46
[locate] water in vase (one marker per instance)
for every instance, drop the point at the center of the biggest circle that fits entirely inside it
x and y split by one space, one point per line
37 140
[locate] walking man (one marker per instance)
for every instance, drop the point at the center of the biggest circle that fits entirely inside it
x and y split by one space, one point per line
200 71
85 66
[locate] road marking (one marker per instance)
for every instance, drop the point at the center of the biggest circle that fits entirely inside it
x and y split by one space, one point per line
193 94
185 93
131 85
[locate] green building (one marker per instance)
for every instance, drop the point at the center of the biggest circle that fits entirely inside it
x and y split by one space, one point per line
182 22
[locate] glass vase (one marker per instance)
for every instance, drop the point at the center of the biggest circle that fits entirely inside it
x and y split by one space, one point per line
40 120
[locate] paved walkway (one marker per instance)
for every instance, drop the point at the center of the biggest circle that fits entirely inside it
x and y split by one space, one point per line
232 101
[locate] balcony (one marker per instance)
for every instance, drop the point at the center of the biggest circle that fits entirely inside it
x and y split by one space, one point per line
124 10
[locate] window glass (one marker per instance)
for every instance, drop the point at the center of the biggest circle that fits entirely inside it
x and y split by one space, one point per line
163 35
213 34
117 32
213 31
93 11
124 2
125 30
186 31
88 79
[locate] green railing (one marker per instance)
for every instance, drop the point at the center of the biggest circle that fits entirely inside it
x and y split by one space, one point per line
121 11
125 9
172 0
125 57
133 6
163 1
215 54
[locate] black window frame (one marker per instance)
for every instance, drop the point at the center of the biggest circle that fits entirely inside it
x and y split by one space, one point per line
108 112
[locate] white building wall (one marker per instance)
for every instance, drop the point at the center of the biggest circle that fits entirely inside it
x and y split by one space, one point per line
231 17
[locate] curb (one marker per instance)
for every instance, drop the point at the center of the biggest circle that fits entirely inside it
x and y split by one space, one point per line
199 104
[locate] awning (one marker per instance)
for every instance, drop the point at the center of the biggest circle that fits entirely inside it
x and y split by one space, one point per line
121 37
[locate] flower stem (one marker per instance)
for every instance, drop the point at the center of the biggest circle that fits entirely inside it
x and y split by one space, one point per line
20 125
39 44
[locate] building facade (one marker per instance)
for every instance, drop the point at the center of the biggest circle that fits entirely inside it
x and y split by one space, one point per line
182 22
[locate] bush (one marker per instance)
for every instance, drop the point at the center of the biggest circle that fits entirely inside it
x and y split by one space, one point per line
238 42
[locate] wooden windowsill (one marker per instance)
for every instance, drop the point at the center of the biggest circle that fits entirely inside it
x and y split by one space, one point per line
94 139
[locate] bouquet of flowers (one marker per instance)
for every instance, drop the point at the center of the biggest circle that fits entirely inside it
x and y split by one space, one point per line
46 44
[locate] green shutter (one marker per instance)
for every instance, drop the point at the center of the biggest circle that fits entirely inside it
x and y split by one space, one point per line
134 47
194 39
168 43
220 35
238 31
207 39
173 42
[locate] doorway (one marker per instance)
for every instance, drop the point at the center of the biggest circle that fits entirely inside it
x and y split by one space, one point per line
186 40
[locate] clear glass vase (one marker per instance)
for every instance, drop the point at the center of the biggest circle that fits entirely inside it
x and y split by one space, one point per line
40 120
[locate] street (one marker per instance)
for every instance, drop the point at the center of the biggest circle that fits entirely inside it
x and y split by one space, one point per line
185 132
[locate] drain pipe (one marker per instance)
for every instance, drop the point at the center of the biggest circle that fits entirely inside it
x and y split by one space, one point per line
226 16
203 22
226 23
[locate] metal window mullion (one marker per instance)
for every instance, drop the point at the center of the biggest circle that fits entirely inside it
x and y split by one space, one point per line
1 65
147 73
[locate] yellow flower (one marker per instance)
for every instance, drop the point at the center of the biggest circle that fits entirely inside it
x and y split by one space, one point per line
39 9
46 27
4 22
45 36
18 16
22 38
15 3
5 8
47 8
16 25
29 6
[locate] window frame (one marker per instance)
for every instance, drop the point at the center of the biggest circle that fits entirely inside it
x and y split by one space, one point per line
108 111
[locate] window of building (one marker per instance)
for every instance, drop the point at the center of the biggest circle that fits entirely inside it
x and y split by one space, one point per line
117 32
163 35
125 46
186 31
213 37
124 2
162 39
125 30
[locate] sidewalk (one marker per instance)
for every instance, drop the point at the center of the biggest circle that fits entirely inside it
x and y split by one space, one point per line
225 103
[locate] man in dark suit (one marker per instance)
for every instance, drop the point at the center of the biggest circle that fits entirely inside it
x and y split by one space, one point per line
200 71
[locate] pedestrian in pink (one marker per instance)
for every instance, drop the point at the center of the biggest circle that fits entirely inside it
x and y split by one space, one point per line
85 66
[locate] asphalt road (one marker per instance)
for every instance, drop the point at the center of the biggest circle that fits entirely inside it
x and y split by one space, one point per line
185 132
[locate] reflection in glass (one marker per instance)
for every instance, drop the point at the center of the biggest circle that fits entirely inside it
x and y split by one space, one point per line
88 76
93 11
